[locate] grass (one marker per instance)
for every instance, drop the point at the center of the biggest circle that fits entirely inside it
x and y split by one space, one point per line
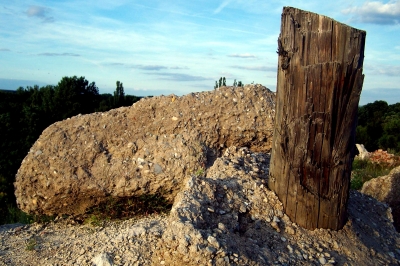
365 170
31 244
14 215
94 220
124 208
199 172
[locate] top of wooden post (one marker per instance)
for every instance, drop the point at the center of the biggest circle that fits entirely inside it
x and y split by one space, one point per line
313 28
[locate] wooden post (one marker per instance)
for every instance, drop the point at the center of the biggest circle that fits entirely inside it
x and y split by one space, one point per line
319 85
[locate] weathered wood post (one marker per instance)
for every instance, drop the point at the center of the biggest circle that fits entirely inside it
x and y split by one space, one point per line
319 84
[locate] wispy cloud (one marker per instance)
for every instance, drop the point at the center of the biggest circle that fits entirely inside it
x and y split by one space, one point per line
392 71
376 12
58 54
115 64
179 77
245 55
177 67
257 68
390 95
40 12
221 6
149 67
4 50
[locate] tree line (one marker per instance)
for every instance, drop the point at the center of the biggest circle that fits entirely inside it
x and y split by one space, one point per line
26 112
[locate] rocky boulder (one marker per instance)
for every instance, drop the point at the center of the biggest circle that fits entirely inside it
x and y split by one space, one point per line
386 189
147 148
363 153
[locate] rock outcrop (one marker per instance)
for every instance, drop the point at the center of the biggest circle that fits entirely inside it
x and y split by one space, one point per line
386 189
147 148
363 154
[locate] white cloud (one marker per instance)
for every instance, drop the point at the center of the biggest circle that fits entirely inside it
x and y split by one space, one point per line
59 54
150 67
180 77
376 12
40 12
221 6
386 70
245 55
257 68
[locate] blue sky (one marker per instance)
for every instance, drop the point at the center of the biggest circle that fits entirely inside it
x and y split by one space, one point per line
158 47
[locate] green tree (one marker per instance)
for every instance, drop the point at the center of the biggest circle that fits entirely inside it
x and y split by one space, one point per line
75 95
370 120
106 102
131 99
119 95
390 139
223 81
13 146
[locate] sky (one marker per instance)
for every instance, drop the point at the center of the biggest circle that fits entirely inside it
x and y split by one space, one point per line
177 47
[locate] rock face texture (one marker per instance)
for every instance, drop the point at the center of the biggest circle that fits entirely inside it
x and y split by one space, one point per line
386 189
147 148
230 217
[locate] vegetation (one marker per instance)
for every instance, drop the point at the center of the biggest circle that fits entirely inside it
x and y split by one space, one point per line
379 126
365 170
199 172
31 244
222 82
25 113
122 208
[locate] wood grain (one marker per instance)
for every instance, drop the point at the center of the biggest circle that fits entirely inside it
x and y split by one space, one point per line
319 85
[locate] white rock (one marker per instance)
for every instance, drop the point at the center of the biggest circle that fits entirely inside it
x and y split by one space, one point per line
102 259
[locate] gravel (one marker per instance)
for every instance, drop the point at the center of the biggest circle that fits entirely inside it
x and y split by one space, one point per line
224 216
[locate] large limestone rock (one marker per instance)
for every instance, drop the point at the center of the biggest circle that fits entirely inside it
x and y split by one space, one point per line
386 189
147 148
